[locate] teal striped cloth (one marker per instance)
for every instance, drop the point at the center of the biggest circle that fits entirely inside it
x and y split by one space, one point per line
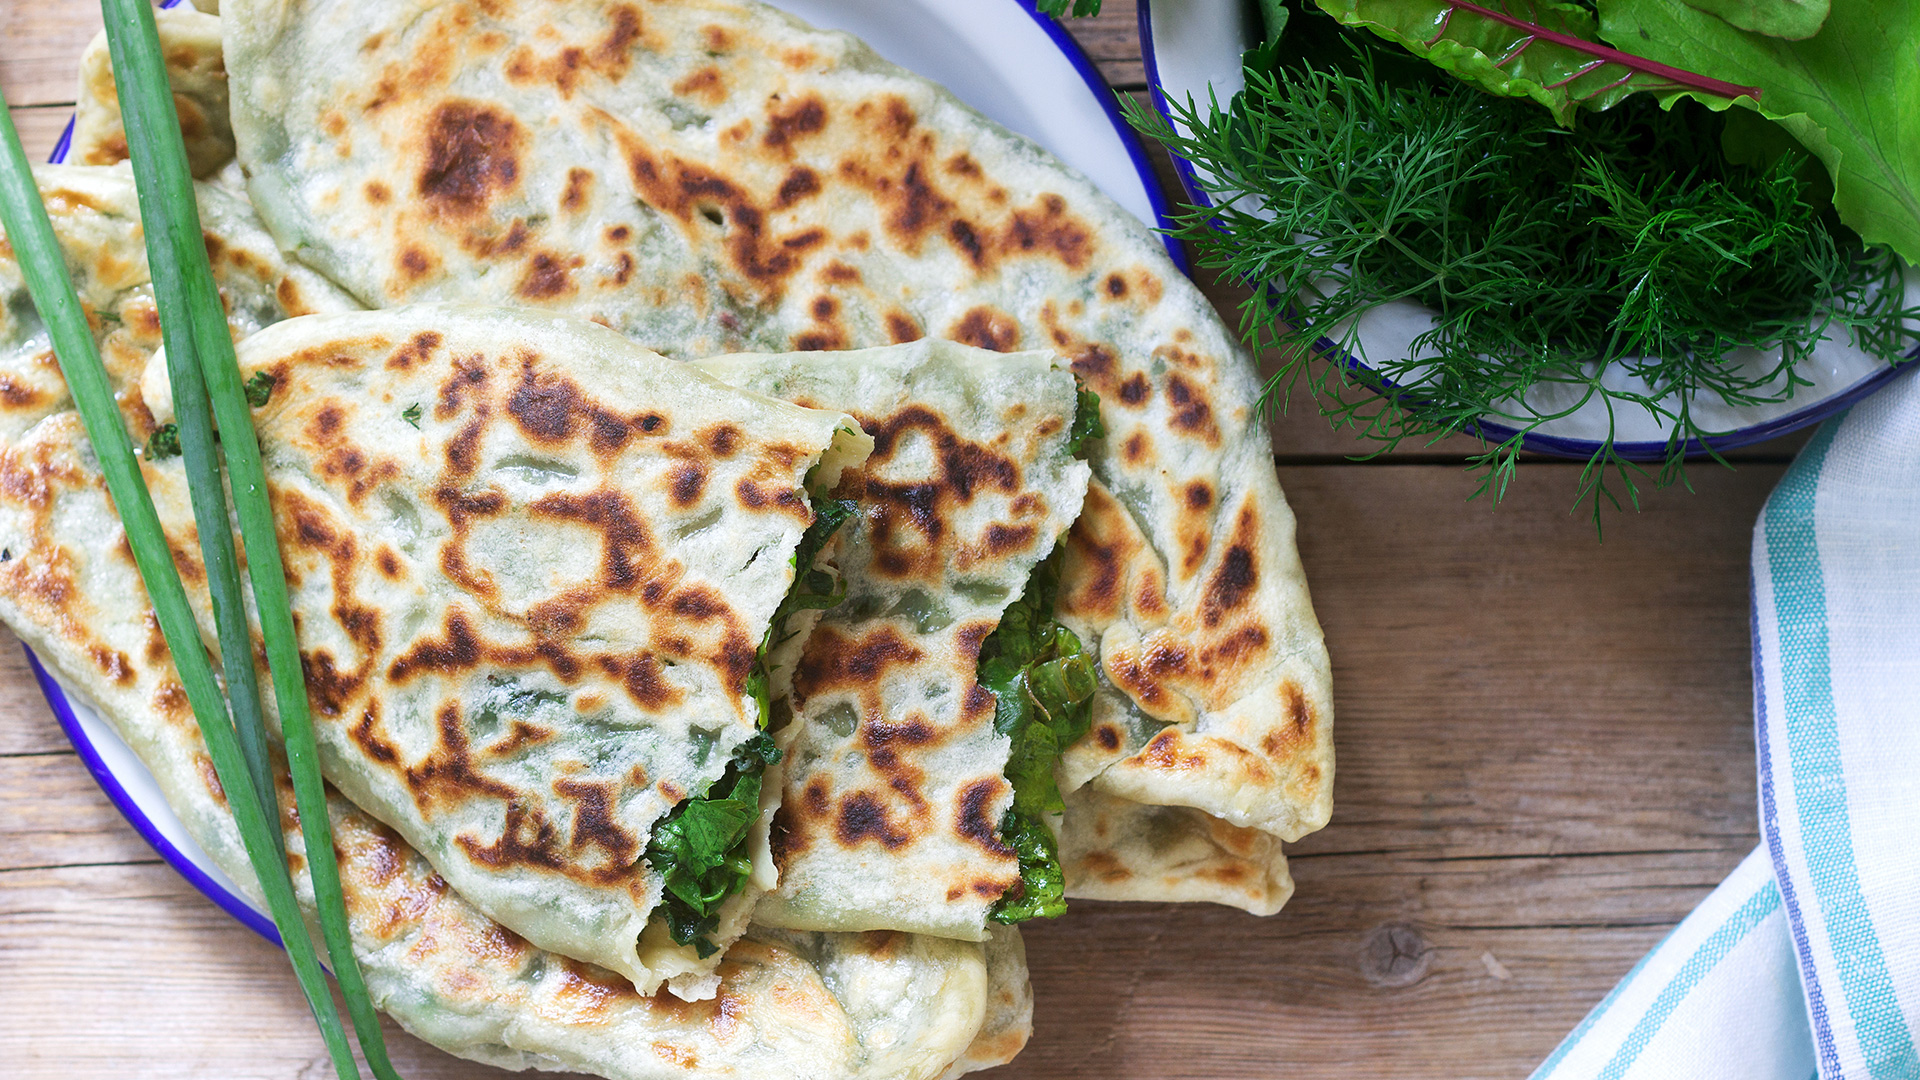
1805 963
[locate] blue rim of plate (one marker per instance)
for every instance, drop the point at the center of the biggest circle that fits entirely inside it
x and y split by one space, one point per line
238 907
1534 442
1109 103
124 802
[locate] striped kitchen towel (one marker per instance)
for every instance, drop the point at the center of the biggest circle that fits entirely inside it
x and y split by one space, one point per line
1806 961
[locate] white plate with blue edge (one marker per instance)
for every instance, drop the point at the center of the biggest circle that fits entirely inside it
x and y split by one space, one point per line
1002 57
1192 48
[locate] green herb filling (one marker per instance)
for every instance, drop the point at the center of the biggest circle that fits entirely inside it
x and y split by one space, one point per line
164 443
1042 679
700 847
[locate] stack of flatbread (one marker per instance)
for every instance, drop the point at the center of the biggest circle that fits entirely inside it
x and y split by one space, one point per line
685 424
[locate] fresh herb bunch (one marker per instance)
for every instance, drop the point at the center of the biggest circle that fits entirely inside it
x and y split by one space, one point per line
1350 174
1042 679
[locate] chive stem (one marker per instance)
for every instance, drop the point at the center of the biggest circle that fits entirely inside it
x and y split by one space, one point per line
213 360
43 266
218 372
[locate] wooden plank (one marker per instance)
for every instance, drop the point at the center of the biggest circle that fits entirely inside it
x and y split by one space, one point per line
125 970
26 723
40 127
53 814
44 38
1112 41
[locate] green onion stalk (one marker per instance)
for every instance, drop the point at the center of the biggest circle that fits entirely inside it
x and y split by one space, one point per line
44 267
205 371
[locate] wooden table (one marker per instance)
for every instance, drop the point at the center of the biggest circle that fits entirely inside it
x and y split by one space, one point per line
1545 760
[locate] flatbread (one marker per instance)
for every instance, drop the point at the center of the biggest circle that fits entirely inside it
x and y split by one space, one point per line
531 564
846 1007
710 176
196 69
895 782
96 218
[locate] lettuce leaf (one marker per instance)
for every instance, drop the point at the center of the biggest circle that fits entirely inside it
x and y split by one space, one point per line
1796 19
1537 49
1848 94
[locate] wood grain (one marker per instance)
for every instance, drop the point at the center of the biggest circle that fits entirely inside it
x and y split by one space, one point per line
1545 760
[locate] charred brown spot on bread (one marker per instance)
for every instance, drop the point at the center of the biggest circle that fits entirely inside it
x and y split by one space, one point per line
579 186
549 275
803 118
862 818
986 328
916 207
468 379
18 395
901 328
388 562
1096 364
416 263
707 84
833 660
839 273
1108 736
594 825
799 184
418 350
114 665
1135 390
973 813
1047 228
1146 676
1199 495
688 191
1137 448
455 653
472 157
1192 415
614 52
689 479
1242 644
966 239
1234 579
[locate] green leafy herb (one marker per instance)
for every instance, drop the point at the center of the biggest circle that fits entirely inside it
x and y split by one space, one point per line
411 414
1546 254
700 847
1549 52
164 443
1796 19
1042 679
1042 891
1057 8
1847 94
813 589
1086 419
259 388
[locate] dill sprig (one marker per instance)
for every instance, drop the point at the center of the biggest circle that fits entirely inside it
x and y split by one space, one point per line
1349 175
